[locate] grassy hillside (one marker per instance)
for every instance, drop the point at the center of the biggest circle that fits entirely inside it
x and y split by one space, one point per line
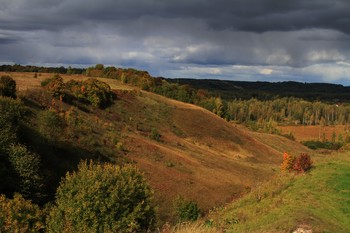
319 200
197 155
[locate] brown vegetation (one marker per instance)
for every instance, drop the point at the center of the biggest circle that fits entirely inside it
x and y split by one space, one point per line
198 155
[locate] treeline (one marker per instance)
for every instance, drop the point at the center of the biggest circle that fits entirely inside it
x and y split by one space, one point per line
252 112
146 82
41 69
284 111
230 90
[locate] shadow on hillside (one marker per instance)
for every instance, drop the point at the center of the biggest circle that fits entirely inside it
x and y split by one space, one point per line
57 158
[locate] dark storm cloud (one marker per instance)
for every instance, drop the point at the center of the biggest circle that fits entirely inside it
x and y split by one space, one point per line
247 15
268 39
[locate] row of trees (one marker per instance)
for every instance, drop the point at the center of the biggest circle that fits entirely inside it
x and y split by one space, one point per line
41 69
288 111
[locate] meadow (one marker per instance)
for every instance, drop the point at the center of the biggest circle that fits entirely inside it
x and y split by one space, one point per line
315 132
318 200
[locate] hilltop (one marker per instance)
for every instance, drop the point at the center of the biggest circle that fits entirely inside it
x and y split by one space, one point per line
196 154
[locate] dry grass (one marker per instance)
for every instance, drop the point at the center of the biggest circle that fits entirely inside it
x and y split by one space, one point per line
26 80
192 228
306 133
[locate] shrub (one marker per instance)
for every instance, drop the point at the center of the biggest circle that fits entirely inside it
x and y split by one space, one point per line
46 81
302 163
50 124
11 111
55 86
7 86
20 215
288 162
155 135
102 198
97 93
186 210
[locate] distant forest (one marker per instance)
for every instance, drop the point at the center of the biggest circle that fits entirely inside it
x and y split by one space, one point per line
259 105
229 90
41 69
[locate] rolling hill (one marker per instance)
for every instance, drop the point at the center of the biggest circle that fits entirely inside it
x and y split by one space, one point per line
198 155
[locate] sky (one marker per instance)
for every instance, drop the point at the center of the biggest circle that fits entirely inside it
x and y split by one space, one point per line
249 40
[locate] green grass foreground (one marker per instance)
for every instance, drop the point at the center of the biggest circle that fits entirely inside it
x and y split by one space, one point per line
318 200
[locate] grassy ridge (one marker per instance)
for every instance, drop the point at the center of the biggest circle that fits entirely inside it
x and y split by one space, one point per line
319 200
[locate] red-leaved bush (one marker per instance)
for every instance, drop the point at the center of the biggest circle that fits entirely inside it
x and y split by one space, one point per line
302 163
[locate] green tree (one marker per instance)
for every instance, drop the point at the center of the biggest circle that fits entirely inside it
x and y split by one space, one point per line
20 215
91 91
7 86
97 93
11 111
26 165
102 198
99 67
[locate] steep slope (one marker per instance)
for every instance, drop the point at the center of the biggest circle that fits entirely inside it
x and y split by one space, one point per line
198 156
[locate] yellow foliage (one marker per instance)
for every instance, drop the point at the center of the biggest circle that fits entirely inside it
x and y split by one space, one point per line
288 162
20 215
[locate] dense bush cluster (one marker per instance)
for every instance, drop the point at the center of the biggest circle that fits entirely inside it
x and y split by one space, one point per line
19 167
323 145
7 86
301 163
186 210
134 77
90 91
102 198
20 215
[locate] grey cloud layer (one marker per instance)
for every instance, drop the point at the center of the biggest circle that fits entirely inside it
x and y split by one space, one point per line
174 38
246 15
